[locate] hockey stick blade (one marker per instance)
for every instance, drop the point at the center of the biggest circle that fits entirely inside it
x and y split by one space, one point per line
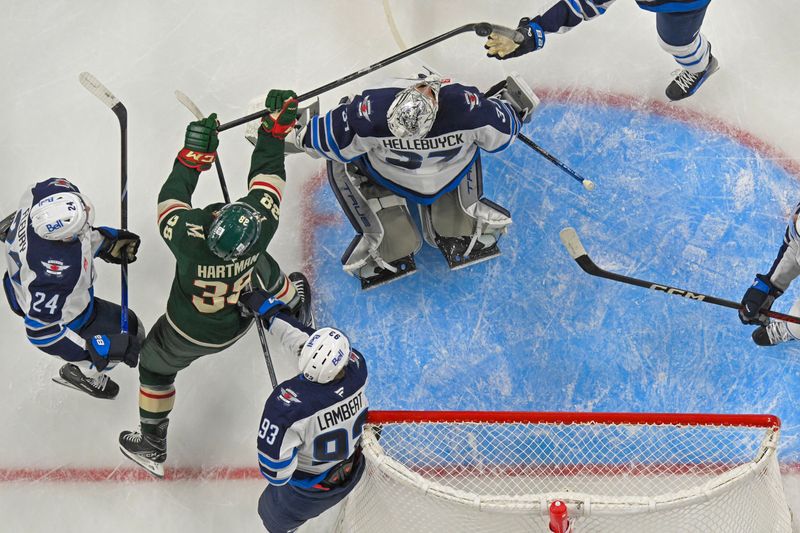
188 104
102 93
571 241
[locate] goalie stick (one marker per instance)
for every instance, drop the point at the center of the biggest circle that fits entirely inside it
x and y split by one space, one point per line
194 110
192 107
104 95
587 184
569 237
482 29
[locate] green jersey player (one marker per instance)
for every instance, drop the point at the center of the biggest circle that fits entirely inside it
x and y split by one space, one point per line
219 251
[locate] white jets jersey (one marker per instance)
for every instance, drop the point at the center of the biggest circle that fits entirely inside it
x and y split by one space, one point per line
50 282
786 266
420 170
308 428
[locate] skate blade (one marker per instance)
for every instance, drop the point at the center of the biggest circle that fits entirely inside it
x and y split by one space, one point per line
69 385
379 283
458 266
153 468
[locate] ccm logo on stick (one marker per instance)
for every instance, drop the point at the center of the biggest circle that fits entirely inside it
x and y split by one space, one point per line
679 292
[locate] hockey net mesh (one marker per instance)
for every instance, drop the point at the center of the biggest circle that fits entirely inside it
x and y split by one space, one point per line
642 476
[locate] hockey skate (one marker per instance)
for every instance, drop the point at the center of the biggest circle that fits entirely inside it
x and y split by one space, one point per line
460 252
98 385
686 83
145 449
773 333
303 311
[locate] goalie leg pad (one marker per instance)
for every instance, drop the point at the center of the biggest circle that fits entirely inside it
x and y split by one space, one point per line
386 237
463 225
519 95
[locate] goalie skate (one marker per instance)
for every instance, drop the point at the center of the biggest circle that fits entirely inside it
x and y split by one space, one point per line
98 386
454 249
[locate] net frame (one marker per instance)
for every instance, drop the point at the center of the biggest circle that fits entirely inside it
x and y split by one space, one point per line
587 504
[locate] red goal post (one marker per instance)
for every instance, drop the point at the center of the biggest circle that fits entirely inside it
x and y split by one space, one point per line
500 471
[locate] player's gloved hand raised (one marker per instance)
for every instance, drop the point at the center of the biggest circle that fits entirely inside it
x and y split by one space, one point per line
118 244
282 105
501 47
757 299
115 347
258 302
200 144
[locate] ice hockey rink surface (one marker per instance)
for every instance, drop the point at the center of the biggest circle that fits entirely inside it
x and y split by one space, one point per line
693 194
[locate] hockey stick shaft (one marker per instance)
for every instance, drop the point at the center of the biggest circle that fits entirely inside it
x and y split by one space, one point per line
569 237
192 107
107 97
481 28
587 184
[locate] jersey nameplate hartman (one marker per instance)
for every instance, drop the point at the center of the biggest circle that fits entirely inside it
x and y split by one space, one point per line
678 292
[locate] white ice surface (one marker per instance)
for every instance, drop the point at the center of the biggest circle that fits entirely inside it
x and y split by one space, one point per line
221 55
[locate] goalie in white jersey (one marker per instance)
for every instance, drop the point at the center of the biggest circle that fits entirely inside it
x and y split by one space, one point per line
767 287
419 143
308 439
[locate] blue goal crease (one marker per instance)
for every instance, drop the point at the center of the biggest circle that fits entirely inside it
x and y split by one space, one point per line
674 203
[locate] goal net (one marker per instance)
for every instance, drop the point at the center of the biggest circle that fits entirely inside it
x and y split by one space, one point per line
623 472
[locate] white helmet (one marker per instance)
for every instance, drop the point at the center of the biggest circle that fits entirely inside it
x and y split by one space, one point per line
61 216
412 112
325 354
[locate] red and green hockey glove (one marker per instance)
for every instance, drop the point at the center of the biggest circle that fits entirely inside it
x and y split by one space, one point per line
200 144
282 105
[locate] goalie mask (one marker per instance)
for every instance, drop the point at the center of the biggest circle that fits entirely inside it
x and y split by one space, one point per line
413 110
234 232
324 355
62 216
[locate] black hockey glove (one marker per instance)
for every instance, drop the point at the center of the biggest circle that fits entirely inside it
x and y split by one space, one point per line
115 347
118 244
257 302
758 298
501 47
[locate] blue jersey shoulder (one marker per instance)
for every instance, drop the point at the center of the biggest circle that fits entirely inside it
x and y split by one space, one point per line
297 398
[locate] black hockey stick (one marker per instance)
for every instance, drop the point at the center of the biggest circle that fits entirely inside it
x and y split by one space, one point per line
104 95
192 107
573 245
587 184
481 28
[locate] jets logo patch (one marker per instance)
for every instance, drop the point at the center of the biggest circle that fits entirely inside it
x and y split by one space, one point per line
288 396
355 359
472 100
365 108
61 182
54 267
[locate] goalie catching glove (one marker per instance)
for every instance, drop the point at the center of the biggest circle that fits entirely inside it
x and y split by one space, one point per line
118 244
200 144
282 105
501 47
113 348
